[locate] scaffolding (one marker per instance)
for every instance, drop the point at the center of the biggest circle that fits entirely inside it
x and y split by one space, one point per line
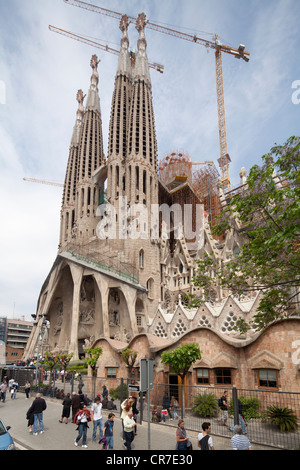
203 178
175 165
206 185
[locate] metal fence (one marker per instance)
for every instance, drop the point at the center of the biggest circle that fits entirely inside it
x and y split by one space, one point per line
196 404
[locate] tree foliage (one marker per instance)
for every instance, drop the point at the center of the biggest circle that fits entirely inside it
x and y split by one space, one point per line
181 358
129 357
267 212
94 354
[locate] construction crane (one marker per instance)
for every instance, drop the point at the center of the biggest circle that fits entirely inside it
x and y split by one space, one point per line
52 183
218 47
104 47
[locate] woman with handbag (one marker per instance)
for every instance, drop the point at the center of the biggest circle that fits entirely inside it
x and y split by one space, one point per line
81 419
181 437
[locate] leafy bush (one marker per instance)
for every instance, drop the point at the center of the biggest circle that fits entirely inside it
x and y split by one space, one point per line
115 393
283 417
250 407
78 366
205 405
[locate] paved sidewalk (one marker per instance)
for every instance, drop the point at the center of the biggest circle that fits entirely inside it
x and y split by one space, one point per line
59 436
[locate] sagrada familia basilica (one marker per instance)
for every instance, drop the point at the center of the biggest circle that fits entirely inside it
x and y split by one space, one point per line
125 260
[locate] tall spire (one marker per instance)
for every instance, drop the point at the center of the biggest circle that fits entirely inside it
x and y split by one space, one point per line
119 118
69 192
91 157
142 137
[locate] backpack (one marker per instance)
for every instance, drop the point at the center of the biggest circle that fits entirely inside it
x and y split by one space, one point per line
220 402
204 443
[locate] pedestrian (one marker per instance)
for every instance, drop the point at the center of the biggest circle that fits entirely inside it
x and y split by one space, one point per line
10 383
27 389
13 392
204 440
238 441
37 408
181 437
80 384
81 396
75 403
108 431
67 403
105 392
3 390
166 404
223 409
82 419
135 413
156 416
129 425
174 407
126 407
96 412
104 403
241 419
111 405
30 419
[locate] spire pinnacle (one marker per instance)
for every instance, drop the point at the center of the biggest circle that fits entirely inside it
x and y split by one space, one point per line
95 75
124 64
79 116
93 101
140 26
141 63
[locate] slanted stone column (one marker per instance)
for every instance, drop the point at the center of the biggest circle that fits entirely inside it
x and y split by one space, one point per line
77 273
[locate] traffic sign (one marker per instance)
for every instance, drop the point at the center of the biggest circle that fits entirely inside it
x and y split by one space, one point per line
133 388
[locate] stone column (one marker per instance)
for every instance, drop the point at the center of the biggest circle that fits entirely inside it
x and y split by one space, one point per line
77 273
130 295
104 293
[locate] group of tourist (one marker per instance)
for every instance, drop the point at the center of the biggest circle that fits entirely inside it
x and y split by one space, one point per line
81 410
11 386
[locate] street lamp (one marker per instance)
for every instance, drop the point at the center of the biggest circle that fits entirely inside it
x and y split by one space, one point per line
41 325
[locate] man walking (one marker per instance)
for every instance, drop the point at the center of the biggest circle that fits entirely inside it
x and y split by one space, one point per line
37 408
224 409
96 412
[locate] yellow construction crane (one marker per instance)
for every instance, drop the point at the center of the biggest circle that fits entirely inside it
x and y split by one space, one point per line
218 47
104 47
35 180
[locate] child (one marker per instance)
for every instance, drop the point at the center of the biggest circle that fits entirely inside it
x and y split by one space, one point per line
108 431
156 417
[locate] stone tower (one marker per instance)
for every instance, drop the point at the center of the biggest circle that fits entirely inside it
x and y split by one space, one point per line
81 196
69 193
132 181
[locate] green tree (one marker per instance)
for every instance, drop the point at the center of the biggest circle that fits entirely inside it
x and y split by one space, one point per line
63 362
92 361
129 357
50 361
267 212
180 360
94 354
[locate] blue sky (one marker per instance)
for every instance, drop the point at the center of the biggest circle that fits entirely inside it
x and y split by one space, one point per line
40 73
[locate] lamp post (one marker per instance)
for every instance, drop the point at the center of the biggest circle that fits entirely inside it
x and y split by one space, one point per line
40 325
